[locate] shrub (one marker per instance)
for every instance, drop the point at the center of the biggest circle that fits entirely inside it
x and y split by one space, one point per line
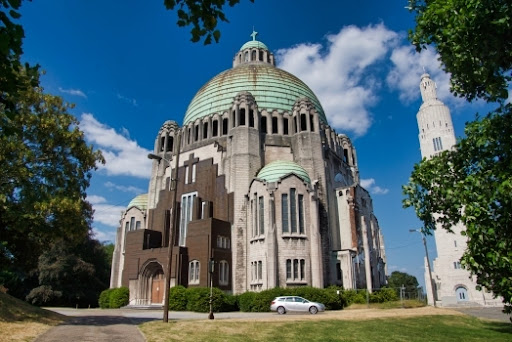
383 295
43 295
263 299
119 297
178 298
246 301
104 300
198 299
354 296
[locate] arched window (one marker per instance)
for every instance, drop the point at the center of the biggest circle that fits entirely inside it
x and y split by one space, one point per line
462 294
162 143
246 56
233 119
263 125
311 123
253 55
196 133
261 55
303 122
274 125
241 118
251 118
205 130
215 128
170 143
193 272
225 126
223 272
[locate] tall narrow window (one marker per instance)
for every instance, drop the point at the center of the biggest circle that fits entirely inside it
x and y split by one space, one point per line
311 123
303 122
241 118
223 272
285 126
194 173
193 272
288 269
301 214
284 212
262 216
263 126
251 118
293 211
137 225
225 126
215 128
186 174
132 223
162 144
260 270
302 269
295 268
170 144
205 130
274 125
187 203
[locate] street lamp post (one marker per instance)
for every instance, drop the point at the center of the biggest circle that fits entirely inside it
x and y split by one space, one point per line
174 180
428 263
211 269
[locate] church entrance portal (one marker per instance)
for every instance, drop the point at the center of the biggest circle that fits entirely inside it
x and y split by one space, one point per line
157 289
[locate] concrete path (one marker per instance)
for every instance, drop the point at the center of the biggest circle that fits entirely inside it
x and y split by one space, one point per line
95 326
494 313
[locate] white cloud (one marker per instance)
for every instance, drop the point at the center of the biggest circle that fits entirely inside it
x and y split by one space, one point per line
122 155
75 92
94 199
107 214
409 65
369 184
103 235
133 102
123 188
342 77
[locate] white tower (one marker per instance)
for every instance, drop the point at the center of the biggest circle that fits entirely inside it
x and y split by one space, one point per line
453 284
434 121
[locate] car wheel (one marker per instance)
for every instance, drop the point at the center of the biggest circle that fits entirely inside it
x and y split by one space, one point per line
313 310
281 310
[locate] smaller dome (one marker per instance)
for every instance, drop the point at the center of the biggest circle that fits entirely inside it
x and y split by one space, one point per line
253 44
278 169
141 202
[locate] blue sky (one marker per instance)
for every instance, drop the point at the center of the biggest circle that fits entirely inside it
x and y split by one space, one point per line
128 68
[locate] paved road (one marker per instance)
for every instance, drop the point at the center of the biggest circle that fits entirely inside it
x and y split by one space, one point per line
494 313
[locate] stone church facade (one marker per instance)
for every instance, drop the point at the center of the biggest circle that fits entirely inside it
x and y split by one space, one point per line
453 285
265 189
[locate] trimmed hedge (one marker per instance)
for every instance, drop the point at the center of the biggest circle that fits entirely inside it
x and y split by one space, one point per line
114 298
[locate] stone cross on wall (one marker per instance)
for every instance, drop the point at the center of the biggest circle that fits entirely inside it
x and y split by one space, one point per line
189 167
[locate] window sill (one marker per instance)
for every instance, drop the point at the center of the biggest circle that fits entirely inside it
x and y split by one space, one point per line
293 236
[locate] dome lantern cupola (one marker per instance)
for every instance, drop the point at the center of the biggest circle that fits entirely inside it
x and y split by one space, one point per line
253 51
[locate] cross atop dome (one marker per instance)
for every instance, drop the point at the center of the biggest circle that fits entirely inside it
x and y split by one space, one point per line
253 34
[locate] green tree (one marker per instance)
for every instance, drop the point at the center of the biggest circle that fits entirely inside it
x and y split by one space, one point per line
398 279
472 183
474 40
203 15
11 36
46 168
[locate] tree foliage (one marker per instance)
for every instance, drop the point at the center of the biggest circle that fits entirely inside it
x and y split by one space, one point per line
474 40
203 15
398 279
11 36
472 184
46 168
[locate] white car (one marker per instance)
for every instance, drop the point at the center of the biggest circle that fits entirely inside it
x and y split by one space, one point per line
293 303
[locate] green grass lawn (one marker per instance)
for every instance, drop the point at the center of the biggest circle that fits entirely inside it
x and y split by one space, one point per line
425 328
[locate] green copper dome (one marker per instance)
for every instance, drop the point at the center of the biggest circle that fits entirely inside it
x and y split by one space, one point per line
140 202
272 88
278 169
253 44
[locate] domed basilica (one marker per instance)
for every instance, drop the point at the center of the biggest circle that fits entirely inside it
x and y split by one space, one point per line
256 184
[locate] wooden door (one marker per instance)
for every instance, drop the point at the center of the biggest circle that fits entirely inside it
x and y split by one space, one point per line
157 291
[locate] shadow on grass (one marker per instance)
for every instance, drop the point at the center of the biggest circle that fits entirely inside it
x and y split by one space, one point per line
105 320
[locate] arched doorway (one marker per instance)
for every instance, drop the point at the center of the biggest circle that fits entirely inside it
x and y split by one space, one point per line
157 288
150 285
462 294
